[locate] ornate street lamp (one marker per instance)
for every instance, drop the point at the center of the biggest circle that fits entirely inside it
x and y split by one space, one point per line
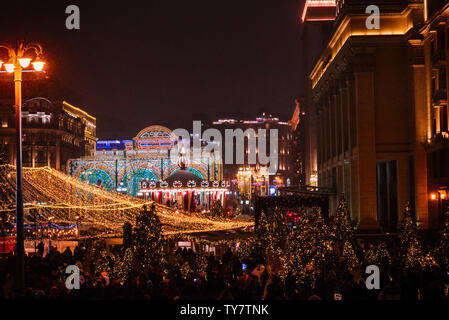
20 57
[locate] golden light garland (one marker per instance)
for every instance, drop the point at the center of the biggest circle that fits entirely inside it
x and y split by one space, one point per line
52 195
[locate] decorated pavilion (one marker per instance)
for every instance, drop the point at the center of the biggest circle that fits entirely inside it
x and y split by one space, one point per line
185 190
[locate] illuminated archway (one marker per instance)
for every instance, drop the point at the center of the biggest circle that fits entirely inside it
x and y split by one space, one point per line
132 179
98 178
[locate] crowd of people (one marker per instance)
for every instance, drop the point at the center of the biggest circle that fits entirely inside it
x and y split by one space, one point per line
225 278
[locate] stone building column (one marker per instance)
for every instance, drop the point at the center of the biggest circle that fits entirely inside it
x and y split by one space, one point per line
421 118
366 144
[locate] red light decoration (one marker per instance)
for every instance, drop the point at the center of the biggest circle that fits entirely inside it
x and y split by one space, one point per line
319 10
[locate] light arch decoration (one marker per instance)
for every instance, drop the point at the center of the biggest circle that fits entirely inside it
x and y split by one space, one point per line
97 177
78 167
151 165
133 178
154 137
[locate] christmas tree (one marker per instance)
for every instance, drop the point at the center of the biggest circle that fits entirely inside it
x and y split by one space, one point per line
97 258
217 210
7 197
442 249
410 251
123 265
148 239
342 227
251 250
349 257
378 255
309 249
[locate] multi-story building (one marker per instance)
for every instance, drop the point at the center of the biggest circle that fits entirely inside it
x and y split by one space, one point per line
369 100
90 126
434 68
317 20
51 135
54 131
296 146
262 179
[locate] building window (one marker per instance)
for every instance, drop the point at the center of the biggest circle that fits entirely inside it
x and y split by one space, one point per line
387 202
442 79
443 119
440 39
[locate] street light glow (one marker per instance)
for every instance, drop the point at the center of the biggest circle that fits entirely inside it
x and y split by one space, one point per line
38 65
24 62
9 67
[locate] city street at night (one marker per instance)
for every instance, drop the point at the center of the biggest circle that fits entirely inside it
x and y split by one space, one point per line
219 159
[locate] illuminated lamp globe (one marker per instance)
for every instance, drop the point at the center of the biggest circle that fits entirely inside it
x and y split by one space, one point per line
24 62
9 67
38 65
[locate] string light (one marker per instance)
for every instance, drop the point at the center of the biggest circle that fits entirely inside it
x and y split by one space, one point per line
50 193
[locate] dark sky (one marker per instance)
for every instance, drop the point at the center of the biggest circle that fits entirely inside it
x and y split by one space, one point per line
137 63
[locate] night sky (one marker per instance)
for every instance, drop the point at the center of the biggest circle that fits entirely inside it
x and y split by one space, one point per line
137 63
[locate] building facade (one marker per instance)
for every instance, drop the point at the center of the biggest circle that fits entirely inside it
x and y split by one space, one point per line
434 68
317 21
261 179
369 100
52 133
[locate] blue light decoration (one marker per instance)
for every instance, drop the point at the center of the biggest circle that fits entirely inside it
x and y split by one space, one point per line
97 177
51 225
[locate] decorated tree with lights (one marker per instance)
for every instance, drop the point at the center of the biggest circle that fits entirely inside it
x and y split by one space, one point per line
7 197
378 255
251 249
272 234
97 258
348 257
342 226
123 264
410 250
148 239
309 249
199 262
255 248
217 210
277 230
442 249
343 240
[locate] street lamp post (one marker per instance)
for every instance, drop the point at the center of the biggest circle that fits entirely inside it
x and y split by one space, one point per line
18 59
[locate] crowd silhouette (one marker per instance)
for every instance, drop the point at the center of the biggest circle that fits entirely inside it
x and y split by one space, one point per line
225 278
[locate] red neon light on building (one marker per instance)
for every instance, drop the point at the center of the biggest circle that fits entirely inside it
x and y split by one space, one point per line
319 10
